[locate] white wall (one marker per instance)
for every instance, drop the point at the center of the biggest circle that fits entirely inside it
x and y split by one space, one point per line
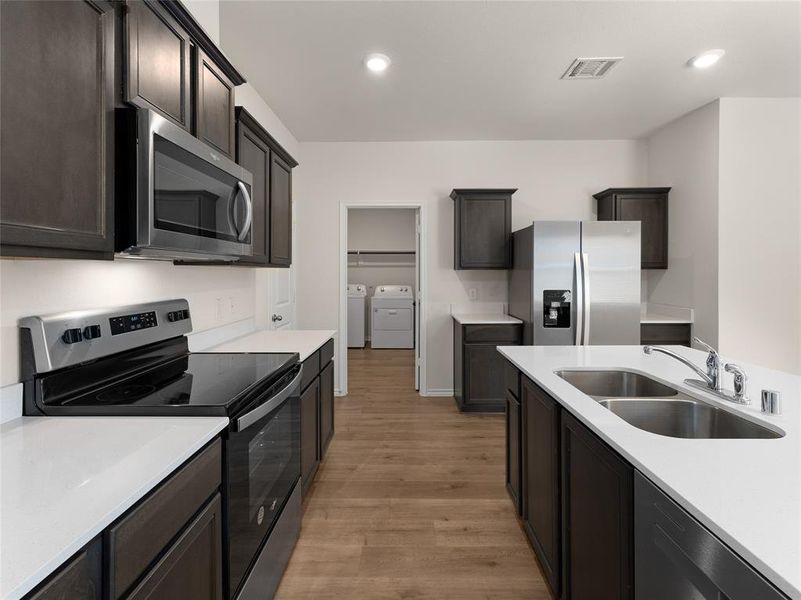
760 232
684 156
29 287
556 180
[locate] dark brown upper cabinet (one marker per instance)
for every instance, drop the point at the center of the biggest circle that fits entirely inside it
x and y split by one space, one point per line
280 211
57 128
650 207
214 105
158 61
271 167
482 228
253 153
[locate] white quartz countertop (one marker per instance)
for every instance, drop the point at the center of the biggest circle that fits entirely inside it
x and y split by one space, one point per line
303 341
484 319
747 492
65 479
653 318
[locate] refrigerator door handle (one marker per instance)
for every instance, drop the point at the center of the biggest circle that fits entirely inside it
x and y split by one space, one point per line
579 300
585 270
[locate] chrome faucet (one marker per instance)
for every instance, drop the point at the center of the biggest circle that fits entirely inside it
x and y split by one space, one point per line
712 378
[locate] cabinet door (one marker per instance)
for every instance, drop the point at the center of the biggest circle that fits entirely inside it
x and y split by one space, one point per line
651 211
158 58
326 407
190 569
484 381
483 233
597 517
79 579
513 450
309 437
280 212
57 128
677 557
254 155
541 510
214 105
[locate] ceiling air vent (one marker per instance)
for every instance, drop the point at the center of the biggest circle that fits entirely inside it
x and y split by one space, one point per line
590 68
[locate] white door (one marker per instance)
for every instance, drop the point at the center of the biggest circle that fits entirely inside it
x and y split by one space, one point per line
417 303
282 299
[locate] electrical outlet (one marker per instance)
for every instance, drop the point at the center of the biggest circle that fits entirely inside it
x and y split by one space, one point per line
233 305
472 293
220 310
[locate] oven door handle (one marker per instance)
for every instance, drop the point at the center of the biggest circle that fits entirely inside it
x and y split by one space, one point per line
262 410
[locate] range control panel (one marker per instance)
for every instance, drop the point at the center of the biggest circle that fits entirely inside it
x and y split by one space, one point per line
65 339
128 323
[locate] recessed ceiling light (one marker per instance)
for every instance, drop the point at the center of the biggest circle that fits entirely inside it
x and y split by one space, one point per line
706 59
377 63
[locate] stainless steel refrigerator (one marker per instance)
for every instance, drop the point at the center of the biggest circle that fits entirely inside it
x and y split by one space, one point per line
577 282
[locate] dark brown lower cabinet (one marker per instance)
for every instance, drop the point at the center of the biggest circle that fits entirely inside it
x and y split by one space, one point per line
309 415
79 579
190 569
479 375
597 517
326 407
541 508
513 473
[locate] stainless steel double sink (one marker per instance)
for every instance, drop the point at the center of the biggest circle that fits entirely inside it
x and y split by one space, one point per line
658 408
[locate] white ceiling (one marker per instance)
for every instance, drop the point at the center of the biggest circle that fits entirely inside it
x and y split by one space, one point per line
491 70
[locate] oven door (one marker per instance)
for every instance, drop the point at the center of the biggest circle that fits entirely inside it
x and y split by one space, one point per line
191 199
262 467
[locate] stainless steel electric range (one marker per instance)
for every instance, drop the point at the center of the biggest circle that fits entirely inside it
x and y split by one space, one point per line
134 360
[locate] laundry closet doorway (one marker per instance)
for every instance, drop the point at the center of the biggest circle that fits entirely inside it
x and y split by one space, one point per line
381 317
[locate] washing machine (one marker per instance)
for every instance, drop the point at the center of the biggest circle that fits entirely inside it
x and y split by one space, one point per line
392 317
357 293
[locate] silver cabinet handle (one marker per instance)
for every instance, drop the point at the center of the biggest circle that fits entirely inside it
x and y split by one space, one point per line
249 212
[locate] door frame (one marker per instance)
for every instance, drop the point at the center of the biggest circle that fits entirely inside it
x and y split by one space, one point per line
421 295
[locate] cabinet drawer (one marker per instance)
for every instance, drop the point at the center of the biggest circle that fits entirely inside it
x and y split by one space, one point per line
326 353
140 536
192 566
311 368
501 334
511 377
666 333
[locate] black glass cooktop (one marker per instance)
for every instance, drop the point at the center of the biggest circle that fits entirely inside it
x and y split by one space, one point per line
196 383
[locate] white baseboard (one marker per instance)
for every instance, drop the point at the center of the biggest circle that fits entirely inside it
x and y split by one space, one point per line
437 392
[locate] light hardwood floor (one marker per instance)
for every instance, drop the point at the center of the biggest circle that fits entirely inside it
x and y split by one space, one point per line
410 501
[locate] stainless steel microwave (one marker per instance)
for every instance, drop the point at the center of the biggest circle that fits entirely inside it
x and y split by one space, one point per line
190 202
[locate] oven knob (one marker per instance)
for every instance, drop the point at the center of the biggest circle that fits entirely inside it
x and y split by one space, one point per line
71 336
91 332
171 316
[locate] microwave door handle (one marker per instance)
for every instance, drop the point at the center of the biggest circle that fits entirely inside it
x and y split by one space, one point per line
262 410
249 211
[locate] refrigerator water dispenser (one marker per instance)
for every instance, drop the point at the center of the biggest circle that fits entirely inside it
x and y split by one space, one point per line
556 308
